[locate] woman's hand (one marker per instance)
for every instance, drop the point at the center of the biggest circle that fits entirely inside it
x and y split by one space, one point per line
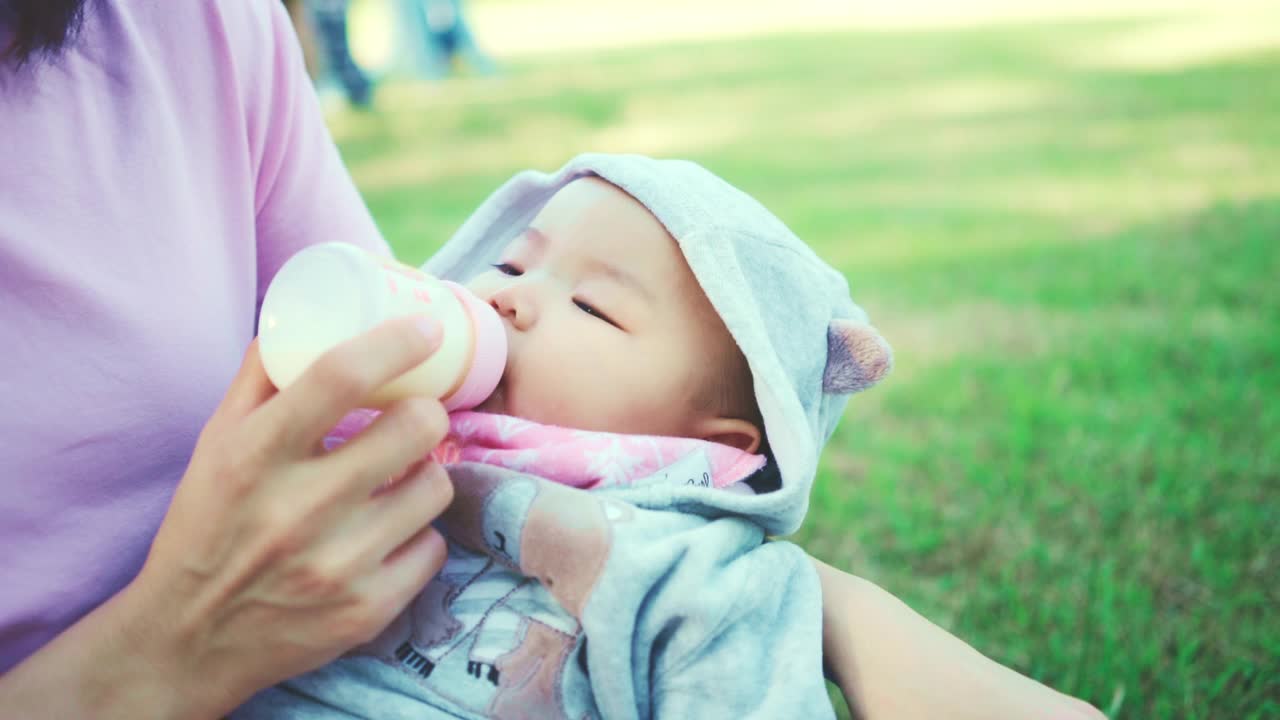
275 557
892 663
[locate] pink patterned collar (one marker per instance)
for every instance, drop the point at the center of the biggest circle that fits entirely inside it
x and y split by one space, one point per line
578 458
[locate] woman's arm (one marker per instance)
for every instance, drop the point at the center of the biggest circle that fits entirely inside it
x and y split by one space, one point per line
99 667
892 663
273 558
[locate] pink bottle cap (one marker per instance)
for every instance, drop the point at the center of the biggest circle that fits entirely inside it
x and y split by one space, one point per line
489 358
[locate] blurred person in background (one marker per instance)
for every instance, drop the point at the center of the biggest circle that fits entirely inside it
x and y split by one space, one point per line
306 35
330 19
437 38
164 159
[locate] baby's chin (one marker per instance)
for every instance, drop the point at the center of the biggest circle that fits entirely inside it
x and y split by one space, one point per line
496 403
503 402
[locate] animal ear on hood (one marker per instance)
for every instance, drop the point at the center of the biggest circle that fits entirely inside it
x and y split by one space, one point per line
857 357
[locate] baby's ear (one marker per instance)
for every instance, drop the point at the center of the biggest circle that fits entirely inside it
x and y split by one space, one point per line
857 357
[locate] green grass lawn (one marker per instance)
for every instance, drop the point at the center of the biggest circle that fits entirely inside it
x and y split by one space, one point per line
1075 464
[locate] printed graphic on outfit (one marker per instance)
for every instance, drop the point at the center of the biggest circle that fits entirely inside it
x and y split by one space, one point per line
524 556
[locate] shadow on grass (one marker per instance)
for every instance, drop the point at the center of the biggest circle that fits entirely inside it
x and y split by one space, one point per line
881 149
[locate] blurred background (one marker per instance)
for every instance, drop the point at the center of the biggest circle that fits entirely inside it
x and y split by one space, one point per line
1065 216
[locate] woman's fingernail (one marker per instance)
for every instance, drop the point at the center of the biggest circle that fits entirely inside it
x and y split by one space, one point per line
431 328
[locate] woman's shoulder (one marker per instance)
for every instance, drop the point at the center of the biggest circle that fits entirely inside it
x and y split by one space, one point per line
185 35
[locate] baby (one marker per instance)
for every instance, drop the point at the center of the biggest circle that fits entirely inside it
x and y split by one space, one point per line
678 358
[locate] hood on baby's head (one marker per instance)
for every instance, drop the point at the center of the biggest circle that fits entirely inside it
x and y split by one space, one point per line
808 345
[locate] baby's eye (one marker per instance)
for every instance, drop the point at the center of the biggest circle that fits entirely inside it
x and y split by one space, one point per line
591 310
508 269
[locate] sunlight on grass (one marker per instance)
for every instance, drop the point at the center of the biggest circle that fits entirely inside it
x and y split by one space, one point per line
1186 42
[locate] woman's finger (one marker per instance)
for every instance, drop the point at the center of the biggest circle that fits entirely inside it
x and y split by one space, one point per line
346 376
399 438
410 567
407 507
249 388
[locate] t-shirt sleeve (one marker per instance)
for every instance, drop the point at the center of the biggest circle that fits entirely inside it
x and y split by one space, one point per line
304 194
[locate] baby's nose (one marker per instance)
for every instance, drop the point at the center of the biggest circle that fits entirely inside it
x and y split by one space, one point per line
515 306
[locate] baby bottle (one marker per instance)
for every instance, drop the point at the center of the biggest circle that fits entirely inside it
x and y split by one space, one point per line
332 292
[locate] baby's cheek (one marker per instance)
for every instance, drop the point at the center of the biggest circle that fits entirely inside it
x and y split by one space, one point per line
559 389
484 284
652 405
599 400
627 390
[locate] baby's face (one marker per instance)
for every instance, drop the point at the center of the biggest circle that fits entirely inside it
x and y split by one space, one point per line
607 327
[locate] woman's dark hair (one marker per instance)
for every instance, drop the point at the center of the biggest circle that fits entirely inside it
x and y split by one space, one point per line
38 27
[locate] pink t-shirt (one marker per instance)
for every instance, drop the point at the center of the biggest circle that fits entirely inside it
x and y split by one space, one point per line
152 179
